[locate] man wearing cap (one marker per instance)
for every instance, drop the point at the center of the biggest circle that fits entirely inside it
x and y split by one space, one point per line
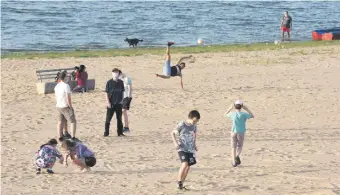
114 97
238 130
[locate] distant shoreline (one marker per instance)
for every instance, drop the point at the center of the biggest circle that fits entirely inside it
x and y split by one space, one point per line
160 50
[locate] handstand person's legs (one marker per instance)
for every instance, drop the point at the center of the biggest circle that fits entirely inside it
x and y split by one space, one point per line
167 53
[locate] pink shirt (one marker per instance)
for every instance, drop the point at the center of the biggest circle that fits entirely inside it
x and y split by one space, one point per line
82 78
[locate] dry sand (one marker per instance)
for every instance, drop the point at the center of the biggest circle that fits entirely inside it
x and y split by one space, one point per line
291 147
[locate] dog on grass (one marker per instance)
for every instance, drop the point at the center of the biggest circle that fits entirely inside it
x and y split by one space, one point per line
133 42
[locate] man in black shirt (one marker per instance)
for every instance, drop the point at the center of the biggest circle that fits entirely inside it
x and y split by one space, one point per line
114 97
172 71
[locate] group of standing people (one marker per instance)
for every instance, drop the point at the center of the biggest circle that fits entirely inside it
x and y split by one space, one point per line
118 95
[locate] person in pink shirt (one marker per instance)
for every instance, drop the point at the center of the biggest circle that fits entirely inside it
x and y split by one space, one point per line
82 80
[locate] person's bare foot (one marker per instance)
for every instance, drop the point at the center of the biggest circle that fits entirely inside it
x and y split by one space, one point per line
170 43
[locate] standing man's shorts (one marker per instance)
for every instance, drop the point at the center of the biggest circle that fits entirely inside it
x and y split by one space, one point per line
285 29
126 103
237 139
167 68
187 157
66 113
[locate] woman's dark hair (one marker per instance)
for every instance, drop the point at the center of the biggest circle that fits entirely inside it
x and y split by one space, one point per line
90 161
238 106
70 143
82 68
50 143
194 114
76 68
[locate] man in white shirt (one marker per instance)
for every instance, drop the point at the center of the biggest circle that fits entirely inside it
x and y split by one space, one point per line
64 107
127 99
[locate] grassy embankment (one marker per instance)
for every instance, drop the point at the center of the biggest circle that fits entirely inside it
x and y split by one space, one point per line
160 50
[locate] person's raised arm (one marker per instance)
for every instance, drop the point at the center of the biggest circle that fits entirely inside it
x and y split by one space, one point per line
182 82
247 109
162 76
229 109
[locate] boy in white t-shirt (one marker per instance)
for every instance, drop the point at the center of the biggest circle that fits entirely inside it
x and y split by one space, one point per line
127 99
64 106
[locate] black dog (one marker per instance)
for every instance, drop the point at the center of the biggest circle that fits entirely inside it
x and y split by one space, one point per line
133 42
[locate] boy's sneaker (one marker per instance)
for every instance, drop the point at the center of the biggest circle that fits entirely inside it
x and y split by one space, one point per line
67 135
50 171
183 188
38 171
170 43
237 160
126 129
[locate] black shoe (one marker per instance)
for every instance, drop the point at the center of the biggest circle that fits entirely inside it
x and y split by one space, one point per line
67 135
50 171
183 188
38 171
61 139
122 135
170 43
126 129
237 160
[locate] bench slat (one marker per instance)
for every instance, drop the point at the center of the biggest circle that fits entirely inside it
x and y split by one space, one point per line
45 78
48 74
54 70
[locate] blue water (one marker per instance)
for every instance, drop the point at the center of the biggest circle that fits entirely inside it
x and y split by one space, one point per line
65 25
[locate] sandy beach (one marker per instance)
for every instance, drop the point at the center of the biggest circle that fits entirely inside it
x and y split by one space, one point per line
291 147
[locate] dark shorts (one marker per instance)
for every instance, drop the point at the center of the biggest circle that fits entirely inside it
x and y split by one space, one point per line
187 157
126 103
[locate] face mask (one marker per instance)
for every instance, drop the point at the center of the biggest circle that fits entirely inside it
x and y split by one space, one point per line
115 76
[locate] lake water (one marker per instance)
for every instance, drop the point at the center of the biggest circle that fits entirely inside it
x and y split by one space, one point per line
65 25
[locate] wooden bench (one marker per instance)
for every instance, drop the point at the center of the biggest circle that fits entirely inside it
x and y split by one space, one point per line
47 80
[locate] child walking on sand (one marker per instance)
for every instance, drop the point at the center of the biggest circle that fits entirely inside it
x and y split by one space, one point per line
46 156
80 154
238 130
186 146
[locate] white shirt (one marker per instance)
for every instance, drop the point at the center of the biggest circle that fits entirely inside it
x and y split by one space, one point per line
127 82
61 91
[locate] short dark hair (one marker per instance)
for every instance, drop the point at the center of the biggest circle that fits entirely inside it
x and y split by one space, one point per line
70 143
62 75
52 142
82 68
90 161
116 70
194 114
238 106
76 68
